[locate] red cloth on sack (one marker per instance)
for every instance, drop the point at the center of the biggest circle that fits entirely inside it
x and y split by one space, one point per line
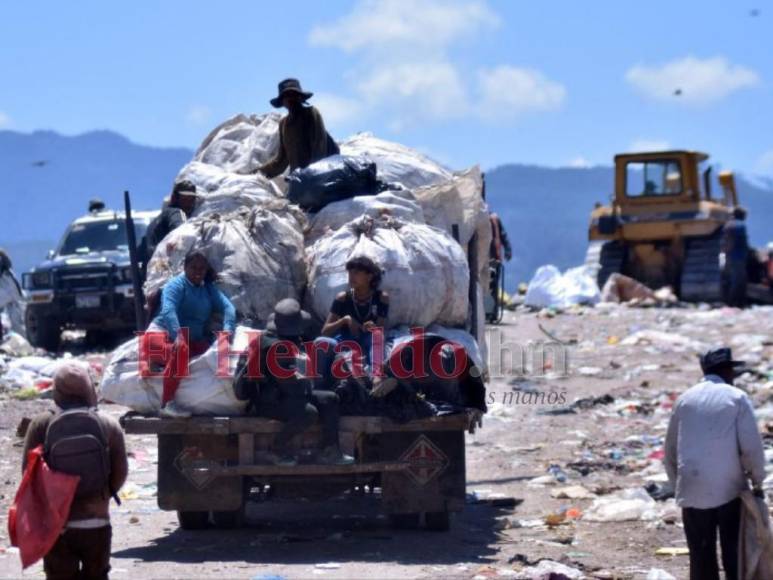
172 378
40 509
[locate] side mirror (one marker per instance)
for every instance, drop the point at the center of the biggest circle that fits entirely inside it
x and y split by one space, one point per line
50 254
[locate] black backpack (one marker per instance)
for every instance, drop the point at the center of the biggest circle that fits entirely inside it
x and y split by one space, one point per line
76 443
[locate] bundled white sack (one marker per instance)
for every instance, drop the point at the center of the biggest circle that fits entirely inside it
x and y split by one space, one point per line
425 270
210 179
258 255
201 393
459 201
396 163
242 143
400 204
549 288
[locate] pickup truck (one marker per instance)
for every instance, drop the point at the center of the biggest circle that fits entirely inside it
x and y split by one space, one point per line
85 283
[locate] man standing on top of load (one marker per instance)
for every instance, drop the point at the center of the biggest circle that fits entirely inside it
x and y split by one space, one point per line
303 138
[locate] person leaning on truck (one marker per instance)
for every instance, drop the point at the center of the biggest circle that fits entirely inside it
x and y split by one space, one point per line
303 138
188 301
713 449
83 549
181 204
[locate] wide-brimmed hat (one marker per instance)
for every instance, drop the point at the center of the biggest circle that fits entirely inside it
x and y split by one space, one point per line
288 319
719 357
185 187
289 86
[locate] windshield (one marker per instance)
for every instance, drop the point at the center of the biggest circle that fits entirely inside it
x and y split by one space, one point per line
653 178
99 237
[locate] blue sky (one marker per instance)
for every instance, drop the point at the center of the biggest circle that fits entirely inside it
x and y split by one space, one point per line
468 81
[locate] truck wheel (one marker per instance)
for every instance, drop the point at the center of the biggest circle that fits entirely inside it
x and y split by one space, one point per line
228 520
404 521
193 520
43 333
438 521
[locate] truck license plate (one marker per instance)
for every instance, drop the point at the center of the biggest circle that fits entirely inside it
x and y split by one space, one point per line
87 301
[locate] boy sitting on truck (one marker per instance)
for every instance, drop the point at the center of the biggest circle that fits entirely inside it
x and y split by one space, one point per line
285 392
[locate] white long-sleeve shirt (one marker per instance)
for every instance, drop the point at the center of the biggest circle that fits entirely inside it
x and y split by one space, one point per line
713 446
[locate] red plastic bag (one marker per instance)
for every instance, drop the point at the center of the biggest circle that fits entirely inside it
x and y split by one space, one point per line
40 509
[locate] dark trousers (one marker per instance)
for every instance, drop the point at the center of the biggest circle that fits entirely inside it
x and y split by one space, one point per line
700 527
298 413
80 555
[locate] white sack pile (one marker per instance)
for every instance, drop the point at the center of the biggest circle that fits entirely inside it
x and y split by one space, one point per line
257 253
426 272
203 392
550 288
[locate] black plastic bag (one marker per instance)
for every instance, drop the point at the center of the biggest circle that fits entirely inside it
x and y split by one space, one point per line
332 179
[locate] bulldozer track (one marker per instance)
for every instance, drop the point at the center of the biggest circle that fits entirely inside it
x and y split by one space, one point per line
701 279
607 258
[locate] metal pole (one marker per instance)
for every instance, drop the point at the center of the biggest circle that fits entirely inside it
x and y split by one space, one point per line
139 297
472 252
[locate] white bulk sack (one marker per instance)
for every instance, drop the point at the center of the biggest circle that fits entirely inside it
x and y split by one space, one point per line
257 254
459 201
242 143
396 163
399 204
549 287
202 393
425 270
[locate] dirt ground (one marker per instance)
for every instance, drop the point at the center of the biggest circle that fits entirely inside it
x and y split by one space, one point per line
607 446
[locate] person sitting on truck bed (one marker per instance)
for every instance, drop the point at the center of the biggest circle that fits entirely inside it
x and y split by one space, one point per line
355 314
188 301
181 204
303 138
292 400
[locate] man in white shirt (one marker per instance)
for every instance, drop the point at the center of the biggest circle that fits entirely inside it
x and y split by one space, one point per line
713 449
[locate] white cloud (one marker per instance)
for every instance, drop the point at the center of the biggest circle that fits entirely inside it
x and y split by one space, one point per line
649 145
198 114
699 81
404 71
765 162
5 120
393 25
338 110
432 90
511 91
579 162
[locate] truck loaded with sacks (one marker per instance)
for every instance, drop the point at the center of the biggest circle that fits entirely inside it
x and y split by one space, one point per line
291 237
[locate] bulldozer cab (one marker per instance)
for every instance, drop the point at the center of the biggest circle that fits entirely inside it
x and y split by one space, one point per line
669 178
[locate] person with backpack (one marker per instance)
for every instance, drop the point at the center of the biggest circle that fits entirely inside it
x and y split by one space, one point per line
79 440
188 301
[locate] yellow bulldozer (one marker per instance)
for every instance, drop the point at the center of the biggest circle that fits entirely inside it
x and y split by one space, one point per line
664 226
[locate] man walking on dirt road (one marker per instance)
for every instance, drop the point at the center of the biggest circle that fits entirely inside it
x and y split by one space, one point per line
713 448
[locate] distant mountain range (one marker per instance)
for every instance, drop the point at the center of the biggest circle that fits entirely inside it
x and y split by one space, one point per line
46 180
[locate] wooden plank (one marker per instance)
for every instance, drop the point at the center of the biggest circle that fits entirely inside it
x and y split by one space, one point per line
137 424
305 470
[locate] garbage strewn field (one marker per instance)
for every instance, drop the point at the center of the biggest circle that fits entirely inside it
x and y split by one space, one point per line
561 478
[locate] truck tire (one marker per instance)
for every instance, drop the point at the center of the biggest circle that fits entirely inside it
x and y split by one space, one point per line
438 521
43 333
228 520
193 520
404 521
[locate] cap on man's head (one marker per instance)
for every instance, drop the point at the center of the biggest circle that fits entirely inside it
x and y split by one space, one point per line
73 386
717 358
185 187
288 319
